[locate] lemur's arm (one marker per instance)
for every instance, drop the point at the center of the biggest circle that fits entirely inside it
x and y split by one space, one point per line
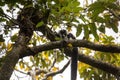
74 52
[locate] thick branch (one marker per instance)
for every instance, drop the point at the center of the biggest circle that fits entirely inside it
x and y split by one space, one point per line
25 34
12 58
99 64
75 43
82 43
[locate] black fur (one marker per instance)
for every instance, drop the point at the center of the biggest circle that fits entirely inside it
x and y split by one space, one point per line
73 53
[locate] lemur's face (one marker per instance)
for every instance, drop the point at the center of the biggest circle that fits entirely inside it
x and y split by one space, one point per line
63 33
70 36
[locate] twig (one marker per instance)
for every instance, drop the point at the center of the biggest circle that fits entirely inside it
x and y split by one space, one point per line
57 72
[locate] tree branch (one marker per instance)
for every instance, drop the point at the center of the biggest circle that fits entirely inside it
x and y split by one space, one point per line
83 58
12 58
100 65
75 43
57 72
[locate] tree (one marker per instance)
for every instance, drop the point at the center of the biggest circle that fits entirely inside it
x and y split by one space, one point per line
28 29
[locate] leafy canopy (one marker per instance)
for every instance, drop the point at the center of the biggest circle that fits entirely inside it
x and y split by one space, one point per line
91 20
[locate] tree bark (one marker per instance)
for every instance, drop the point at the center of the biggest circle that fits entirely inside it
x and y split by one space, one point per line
25 34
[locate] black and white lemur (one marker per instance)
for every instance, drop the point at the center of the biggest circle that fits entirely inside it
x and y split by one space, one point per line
71 52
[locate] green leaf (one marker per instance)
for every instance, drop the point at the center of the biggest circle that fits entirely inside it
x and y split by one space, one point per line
14 38
99 19
73 6
82 17
79 30
76 3
93 29
57 38
113 6
2 20
39 24
97 12
112 0
86 31
1 38
96 8
96 5
1 11
2 3
77 9
114 27
102 28
107 1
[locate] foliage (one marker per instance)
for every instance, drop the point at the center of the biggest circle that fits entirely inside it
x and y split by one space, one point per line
89 20
93 73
